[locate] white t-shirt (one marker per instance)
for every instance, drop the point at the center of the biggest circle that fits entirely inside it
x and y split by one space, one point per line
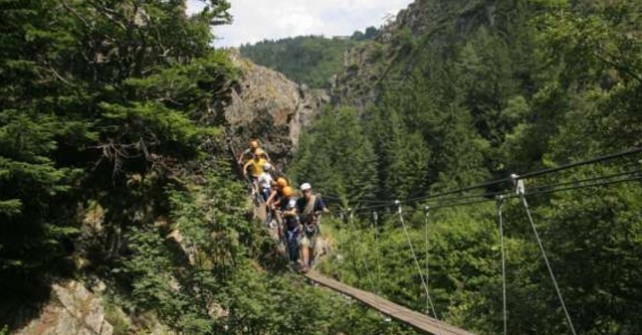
265 180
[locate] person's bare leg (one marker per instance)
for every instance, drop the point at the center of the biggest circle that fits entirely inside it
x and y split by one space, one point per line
279 225
305 256
256 187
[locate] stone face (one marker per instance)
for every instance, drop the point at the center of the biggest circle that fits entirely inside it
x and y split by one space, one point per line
269 107
74 310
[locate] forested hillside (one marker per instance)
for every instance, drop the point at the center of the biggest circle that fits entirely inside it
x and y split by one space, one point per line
115 177
116 174
310 60
455 93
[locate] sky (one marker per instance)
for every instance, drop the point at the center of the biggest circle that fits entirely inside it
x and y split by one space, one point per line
256 20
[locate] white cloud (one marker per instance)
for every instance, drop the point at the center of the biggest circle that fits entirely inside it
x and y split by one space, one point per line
256 20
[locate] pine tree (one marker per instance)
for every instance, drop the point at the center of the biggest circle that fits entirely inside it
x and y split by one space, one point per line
97 95
337 157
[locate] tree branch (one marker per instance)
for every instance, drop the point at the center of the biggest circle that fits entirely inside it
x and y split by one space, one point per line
72 11
619 67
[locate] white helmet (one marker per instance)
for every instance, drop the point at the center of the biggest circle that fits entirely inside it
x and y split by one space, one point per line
291 203
305 187
267 167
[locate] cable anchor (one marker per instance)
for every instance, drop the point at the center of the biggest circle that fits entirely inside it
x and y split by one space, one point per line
520 188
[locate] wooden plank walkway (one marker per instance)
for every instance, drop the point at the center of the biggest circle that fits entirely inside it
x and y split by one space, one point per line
415 319
403 314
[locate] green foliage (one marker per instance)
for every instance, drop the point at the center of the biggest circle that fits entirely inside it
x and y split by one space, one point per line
103 104
310 60
337 157
476 91
593 236
116 318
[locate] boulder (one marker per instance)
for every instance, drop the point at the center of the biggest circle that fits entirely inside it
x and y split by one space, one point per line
73 310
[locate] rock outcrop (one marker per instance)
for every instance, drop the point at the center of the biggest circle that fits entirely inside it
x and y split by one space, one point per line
74 310
367 68
268 106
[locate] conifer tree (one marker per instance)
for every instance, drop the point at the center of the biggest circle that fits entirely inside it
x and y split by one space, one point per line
337 157
97 95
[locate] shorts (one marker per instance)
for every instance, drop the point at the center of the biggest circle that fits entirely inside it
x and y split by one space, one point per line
309 236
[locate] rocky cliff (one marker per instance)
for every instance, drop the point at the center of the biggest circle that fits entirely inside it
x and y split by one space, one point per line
267 106
73 310
422 23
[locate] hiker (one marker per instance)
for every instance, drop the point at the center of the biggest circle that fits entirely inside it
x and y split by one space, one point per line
291 227
275 196
256 164
309 207
265 181
274 202
254 145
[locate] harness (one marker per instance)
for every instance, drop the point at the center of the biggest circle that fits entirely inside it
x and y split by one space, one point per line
308 218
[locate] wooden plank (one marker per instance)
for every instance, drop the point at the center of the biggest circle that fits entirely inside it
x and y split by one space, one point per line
403 314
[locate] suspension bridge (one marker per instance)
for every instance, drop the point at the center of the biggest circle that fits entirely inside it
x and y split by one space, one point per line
429 322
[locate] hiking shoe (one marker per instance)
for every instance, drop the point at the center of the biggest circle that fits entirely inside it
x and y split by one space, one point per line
305 268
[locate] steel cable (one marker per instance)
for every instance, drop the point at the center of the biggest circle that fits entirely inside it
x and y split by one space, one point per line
548 265
414 256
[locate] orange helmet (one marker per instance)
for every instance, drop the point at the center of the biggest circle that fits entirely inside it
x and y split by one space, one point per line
288 191
282 182
254 144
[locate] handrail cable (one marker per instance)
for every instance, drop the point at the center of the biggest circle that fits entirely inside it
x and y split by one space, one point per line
586 180
351 239
580 163
464 189
336 197
374 207
375 226
527 175
543 192
551 189
414 256
500 204
429 304
535 173
457 204
586 186
521 192
483 195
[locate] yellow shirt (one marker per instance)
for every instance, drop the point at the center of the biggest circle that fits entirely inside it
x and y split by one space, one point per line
257 166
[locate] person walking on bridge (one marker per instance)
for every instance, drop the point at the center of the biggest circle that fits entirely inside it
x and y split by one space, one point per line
277 192
310 206
273 203
265 181
254 145
292 228
257 163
